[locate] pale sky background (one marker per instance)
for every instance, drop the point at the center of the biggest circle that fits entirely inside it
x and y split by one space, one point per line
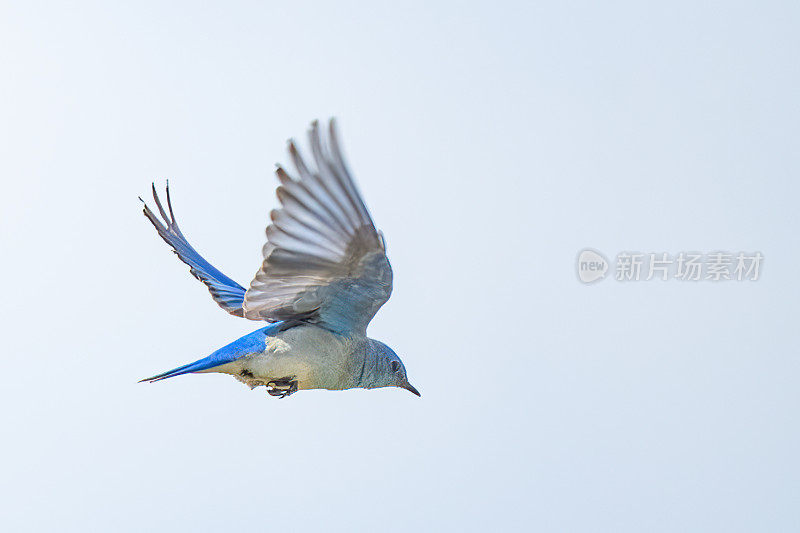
492 142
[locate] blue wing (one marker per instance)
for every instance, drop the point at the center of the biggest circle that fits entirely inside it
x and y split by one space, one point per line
227 293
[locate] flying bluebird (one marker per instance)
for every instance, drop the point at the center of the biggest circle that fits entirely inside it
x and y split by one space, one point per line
324 276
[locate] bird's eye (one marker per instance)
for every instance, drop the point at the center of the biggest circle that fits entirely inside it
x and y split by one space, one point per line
395 366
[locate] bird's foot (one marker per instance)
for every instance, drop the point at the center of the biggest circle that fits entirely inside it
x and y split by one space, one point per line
282 387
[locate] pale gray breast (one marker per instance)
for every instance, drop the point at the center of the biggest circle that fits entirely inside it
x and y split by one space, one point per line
316 357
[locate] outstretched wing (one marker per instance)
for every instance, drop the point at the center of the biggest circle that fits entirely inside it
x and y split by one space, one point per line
324 261
228 294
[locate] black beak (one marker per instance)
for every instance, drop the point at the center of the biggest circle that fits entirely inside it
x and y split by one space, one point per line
410 388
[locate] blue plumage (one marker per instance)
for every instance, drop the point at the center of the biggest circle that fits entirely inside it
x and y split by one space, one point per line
252 343
227 293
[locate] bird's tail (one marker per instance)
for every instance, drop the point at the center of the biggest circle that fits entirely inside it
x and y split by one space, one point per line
249 344
197 366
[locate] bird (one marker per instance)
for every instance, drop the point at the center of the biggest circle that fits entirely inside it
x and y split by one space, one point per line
323 277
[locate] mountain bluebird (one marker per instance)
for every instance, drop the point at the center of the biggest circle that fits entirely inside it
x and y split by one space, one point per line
324 276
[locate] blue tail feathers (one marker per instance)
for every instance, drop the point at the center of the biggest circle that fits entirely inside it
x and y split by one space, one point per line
251 343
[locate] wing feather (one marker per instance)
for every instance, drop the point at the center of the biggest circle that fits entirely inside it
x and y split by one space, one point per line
228 294
324 261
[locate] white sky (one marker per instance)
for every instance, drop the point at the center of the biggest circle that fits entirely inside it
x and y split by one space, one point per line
492 143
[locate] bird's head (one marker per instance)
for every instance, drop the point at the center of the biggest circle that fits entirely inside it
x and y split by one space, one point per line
389 370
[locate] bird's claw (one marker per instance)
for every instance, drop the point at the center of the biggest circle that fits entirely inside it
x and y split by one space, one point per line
282 387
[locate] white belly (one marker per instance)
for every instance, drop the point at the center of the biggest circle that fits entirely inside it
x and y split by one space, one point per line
314 357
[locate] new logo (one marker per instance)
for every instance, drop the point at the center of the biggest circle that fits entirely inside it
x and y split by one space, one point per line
592 266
